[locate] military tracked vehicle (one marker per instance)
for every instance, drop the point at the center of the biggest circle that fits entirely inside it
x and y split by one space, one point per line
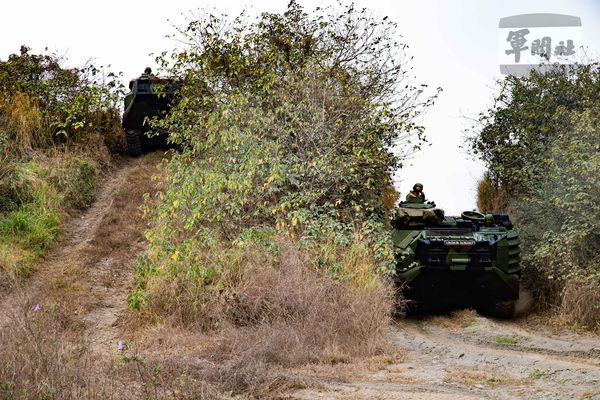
446 263
149 97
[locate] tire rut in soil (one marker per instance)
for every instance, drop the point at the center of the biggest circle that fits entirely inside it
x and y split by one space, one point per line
443 338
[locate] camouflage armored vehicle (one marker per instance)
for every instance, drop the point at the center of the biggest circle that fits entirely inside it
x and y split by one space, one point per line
445 263
149 97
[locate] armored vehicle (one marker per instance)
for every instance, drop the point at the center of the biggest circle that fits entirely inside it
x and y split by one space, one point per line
445 263
149 97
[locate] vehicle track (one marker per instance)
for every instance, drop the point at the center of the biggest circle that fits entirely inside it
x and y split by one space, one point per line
483 341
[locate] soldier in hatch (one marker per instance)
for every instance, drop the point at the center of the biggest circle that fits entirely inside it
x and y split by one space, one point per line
147 74
416 195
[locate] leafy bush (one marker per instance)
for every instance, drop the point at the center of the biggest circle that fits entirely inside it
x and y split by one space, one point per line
328 93
540 142
286 125
513 136
560 221
43 103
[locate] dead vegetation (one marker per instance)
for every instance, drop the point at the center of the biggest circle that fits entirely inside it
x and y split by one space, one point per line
285 314
44 357
580 306
492 378
457 320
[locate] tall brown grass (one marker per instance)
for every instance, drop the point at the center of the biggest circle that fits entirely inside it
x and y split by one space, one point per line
490 198
43 355
580 305
22 123
24 128
279 312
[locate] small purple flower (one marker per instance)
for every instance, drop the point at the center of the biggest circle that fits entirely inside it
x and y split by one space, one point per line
37 308
120 345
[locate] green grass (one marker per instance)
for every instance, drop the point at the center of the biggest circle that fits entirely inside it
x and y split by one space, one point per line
538 374
505 340
33 199
32 227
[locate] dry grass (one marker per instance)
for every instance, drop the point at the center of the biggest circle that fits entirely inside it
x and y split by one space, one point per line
27 129
282 314
22 122
470 377
457 320
115 232
580 306
43 356
489 198
39 361
576 307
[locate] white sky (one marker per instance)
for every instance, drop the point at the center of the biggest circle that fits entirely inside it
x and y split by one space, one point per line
454 44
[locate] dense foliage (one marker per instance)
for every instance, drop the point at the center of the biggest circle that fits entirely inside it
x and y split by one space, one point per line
287 124
512 137
42 103
540 143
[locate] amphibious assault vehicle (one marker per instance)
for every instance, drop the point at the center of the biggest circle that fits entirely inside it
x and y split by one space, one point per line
149 97
446 263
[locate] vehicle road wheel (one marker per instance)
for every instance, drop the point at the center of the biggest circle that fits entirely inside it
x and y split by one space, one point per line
505 309
134 142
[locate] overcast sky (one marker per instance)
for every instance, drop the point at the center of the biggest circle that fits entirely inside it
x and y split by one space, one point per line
454 44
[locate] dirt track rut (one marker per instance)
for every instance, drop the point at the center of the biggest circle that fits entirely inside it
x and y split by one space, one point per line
89 272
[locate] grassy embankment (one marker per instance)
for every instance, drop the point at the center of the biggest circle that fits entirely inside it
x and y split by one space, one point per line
268 247
57 129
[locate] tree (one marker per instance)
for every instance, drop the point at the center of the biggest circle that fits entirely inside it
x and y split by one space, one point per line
334 88
540 144
286 124
513 136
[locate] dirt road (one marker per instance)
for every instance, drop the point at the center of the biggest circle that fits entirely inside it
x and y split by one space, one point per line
90 271
474 358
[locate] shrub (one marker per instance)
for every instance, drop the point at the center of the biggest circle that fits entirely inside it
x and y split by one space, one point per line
42 103
539 142
560 222
513 136
274 213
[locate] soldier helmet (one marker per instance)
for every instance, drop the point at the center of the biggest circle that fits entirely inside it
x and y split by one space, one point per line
418 185
148 70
